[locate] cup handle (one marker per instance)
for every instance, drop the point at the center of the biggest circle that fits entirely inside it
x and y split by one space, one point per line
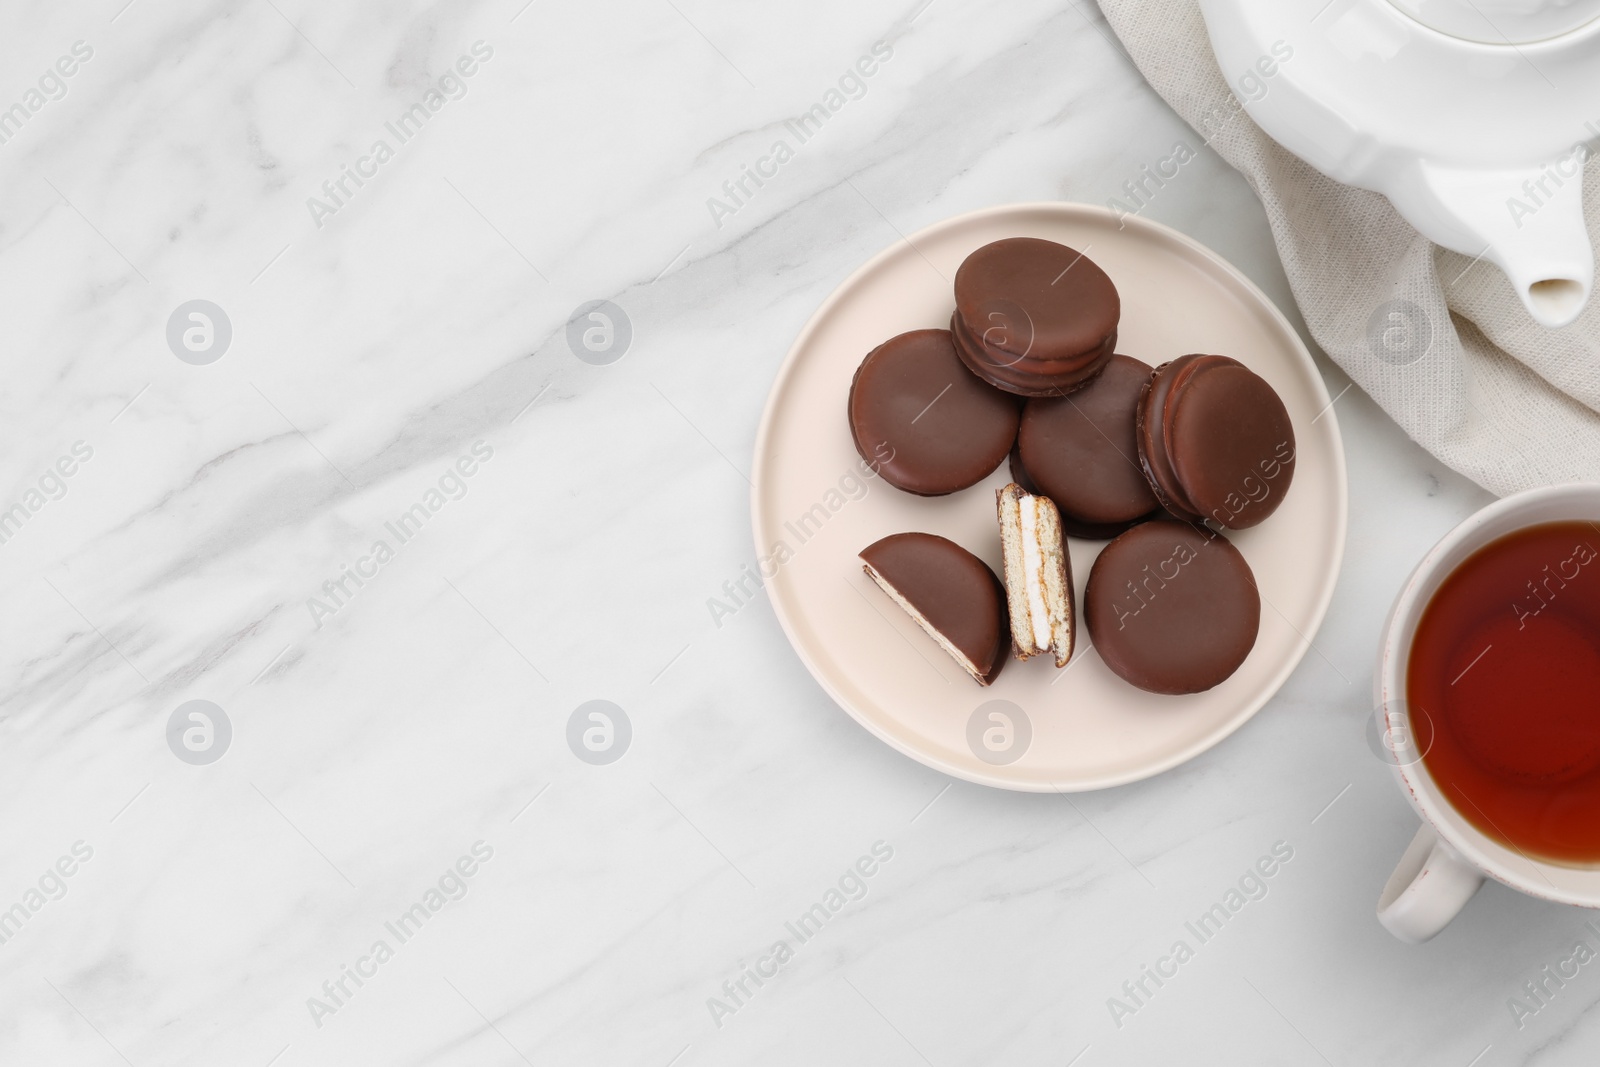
1429 887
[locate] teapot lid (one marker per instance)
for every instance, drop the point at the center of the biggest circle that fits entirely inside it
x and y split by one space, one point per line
1502 21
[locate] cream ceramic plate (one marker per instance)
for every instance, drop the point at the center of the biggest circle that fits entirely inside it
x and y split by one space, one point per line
1081 728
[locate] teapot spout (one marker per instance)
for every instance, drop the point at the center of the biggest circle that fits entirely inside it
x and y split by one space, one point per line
1528 222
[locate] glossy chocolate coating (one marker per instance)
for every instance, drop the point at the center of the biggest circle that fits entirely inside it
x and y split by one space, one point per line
1149 433
919 416
1078 366
953 589
1172 608
1023 376
1082 452
1072 527
1215 441
1051 302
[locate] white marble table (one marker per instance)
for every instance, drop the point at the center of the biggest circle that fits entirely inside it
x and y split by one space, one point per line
403 342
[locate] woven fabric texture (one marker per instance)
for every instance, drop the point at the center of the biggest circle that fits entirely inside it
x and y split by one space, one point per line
1440 341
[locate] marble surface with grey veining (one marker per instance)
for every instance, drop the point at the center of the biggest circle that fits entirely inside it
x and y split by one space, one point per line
399 857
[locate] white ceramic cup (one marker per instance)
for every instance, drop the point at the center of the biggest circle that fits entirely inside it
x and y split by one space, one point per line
1449 857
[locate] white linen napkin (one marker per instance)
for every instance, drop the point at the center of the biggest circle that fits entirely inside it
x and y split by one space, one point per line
1439 341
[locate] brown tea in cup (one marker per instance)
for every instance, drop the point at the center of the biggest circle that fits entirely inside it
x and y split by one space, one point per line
1503 690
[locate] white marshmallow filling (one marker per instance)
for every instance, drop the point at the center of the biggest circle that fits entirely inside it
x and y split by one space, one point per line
1033 564
1037 591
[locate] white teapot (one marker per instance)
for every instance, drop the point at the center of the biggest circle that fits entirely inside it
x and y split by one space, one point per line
1474 117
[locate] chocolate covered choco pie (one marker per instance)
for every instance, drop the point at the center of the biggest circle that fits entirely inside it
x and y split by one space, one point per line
952 594
914 401
1215 441
1172 608
1034 317
1081 450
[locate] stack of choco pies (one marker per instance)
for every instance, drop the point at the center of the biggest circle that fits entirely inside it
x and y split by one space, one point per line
1033 317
